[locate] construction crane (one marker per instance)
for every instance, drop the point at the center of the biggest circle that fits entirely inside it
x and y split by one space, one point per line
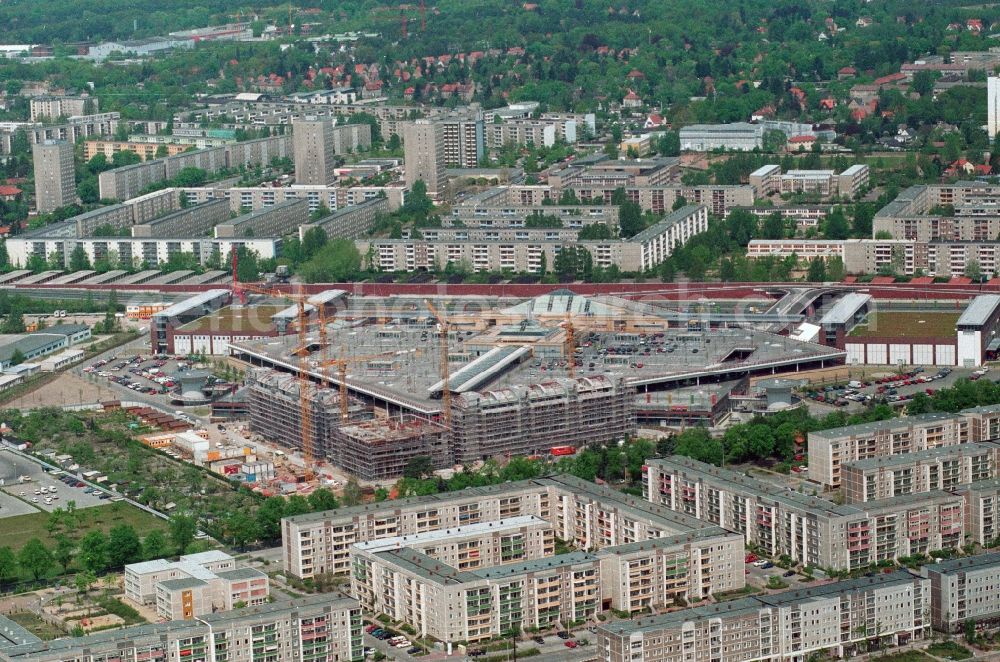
570 345
341 364
443 328
240 290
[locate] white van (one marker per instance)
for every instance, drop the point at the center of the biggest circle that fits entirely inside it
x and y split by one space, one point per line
854 384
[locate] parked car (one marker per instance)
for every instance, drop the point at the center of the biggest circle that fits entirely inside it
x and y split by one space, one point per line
538 640
570 644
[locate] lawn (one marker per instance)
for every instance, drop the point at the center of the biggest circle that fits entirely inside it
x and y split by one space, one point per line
907 325
22 528
949 650
34 624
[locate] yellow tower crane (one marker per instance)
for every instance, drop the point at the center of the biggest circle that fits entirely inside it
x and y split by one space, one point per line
443 327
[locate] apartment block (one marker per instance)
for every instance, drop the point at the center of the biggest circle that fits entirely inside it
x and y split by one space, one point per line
810 530
314 151
451 603
837 618
943 468
769 180
147 151
53 107
350 222
313 627
194 221
116 217
588 515
195 585
381 449
524 250
464 138
473 546
830 449
332 197
964 589
55 182
424 156
129 181
486 211
276 221
982 510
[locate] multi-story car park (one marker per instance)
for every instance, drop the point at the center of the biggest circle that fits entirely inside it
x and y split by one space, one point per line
964 589
809 530
889 609
315 627
943 468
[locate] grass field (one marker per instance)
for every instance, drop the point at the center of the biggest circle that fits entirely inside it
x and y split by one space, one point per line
20 529
907 324
949 650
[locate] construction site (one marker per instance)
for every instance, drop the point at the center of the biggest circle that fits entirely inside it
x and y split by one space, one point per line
367 384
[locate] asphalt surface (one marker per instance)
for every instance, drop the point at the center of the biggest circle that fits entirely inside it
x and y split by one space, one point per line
822 408
12 467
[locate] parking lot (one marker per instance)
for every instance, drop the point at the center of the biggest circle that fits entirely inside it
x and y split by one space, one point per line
893 388
20 498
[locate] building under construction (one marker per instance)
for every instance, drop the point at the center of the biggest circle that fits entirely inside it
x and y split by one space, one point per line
379 449
369 448
531 419
276 410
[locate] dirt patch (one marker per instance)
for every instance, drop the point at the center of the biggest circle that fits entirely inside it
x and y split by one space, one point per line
67 389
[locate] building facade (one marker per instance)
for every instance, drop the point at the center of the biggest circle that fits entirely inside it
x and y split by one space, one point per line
55 179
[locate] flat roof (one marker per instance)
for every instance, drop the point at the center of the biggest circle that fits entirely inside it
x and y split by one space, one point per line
845 309
980 310
888 424
182 583
186 305
477 529
977 562
956 451
663 225
535 565
427 567
237 574
751 605
762 490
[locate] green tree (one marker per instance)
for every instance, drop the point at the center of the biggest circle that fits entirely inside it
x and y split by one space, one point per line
94 552
336 262
78 259
36 558
269 514
323 499
64 551
154 545
17 358
123 546
774 226
920 404
817 270
630 219
698 444
836 226
419 467
352 493
8 564
190 177
182 530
